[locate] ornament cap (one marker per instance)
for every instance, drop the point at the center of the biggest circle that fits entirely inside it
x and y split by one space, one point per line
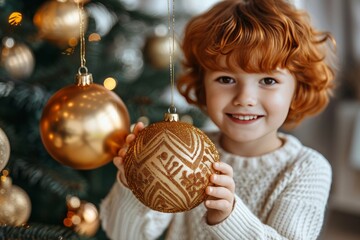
171 117
5 182
83 79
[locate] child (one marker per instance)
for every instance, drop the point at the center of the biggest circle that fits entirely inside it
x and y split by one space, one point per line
252 66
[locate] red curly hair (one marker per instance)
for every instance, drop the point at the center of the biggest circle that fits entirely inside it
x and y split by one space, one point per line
259 36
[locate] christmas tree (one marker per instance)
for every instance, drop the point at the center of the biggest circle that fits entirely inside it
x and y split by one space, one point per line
41 54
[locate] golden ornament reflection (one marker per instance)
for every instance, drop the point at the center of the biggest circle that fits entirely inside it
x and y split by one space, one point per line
84 126
17 59
59 21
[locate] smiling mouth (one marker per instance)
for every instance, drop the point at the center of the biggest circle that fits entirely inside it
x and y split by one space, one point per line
244 117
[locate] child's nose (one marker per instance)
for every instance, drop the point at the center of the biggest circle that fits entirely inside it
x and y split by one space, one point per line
245 97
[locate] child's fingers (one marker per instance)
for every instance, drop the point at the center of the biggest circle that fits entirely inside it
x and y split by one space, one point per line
220 204
138 127
219 193
223 181
224 168
118 161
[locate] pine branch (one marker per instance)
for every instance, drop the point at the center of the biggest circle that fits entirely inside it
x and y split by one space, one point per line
37 232
62 181
25 96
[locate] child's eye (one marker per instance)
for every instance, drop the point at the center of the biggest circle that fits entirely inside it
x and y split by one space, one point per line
225 80
268 81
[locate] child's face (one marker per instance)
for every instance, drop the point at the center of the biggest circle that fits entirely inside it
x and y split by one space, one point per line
249 107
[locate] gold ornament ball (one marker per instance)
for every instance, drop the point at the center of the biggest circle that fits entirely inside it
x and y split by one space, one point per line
59 21
18 60
157 51
168 165
15 205
4 149
83 126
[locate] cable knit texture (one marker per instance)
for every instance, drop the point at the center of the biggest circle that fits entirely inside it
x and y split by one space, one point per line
280 195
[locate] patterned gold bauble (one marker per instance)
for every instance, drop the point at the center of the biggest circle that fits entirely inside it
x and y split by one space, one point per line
4 149
15 205
18 60
59 21
168 165
157 51
84 125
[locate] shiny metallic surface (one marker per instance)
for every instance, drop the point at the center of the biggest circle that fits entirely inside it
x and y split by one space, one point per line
84 126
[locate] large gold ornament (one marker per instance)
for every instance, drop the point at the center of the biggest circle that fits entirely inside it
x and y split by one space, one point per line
59 21
84 125
4 149
17 59
15 205
168 165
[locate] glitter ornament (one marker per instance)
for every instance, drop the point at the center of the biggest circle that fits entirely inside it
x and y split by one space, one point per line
84 125
168 165
15 205
4 149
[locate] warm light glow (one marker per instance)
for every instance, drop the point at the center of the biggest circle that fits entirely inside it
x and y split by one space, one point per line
94 37
76 220
8 42
73 202
110 83
15 18
90 213
72 42
67 222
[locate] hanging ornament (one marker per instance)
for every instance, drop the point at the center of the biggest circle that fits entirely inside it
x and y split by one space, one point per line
17 59
4 149
82 216
58 21
168 165
157 48
15 205
84 125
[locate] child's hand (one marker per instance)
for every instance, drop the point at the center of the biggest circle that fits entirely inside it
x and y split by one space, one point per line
119 160
221 196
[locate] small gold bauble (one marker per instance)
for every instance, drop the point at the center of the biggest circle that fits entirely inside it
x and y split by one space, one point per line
4 149
59 21
83 126
15 205
18 60
157 51
168 165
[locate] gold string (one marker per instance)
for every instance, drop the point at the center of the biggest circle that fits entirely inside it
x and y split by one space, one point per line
82 36
171 28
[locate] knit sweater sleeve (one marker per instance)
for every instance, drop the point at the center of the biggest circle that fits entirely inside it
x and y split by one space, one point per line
297 212
124 217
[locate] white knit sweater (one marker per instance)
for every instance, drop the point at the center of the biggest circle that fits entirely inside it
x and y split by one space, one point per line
280 195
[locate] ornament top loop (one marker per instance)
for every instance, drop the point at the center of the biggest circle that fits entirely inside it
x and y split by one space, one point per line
80 72
172 109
